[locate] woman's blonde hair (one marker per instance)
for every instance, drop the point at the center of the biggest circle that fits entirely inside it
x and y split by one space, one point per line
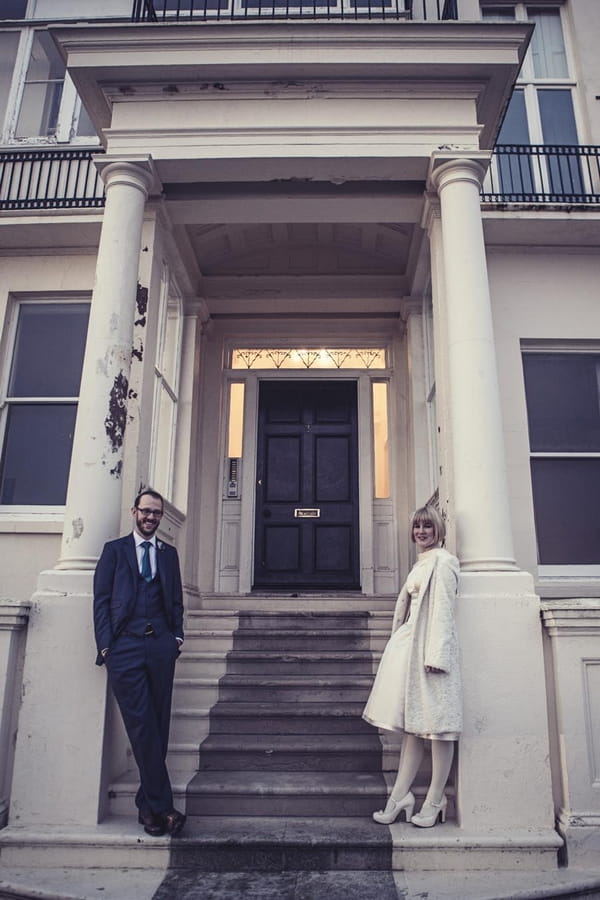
429 514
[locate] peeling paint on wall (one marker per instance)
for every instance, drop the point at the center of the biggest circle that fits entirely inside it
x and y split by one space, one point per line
116 470
77 526
141 302
138 354
116 420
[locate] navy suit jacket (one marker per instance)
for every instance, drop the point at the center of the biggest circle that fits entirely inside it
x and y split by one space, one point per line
115 588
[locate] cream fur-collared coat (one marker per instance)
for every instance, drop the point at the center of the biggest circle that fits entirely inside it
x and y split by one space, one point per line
432 702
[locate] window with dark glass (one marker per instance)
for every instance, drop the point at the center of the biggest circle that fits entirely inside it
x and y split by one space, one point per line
563 409
541 110
13 9
40 403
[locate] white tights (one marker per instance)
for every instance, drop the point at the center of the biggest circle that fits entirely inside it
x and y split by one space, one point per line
442 754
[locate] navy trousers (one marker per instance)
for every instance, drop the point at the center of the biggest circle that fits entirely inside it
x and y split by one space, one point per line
141 671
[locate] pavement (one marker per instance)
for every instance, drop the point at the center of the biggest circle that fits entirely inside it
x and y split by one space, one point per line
183 884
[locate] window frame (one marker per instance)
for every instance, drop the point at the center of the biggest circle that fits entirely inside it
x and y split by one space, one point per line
546 348
527 81
69 109
22 512
547 172
166 384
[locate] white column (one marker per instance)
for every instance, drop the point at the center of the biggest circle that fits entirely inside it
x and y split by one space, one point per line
484 536
93 505
503 784
63 716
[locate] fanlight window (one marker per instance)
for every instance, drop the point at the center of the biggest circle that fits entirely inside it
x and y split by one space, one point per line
316 358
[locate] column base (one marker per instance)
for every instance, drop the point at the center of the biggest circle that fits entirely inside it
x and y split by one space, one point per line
58 759
582 840
504 786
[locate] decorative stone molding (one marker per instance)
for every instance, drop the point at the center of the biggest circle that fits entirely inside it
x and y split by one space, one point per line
572 629
14 616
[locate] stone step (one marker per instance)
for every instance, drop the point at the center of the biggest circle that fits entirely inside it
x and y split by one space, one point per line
207 664
191 692
278 753
358 662
190 724
182 758
307 601
285 794
219 639
264 844
212 640
283 639
325 848
207 844
261 620
290 688
315 718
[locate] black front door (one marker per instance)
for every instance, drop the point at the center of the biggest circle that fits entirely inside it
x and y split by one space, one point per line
307 486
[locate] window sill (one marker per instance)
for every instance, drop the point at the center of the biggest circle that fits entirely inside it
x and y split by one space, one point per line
32 520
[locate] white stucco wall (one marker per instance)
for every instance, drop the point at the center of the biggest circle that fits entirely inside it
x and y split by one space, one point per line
537 293
30 536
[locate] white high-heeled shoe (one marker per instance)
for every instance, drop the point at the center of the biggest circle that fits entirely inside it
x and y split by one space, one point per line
393 808
428 815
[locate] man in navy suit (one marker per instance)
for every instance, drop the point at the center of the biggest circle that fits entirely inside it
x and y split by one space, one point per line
138 623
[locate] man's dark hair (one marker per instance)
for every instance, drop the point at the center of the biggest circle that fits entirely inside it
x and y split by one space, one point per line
148 492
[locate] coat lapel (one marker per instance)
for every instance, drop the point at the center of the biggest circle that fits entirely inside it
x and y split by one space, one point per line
131 555
162 565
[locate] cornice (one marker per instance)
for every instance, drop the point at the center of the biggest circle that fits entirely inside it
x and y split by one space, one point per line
460 36
573 617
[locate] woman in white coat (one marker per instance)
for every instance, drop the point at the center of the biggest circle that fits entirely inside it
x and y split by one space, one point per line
417 689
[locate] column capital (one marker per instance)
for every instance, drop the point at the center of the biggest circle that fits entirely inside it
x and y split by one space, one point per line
468 167
138 172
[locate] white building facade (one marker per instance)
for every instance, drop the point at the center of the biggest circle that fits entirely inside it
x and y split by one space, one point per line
301 273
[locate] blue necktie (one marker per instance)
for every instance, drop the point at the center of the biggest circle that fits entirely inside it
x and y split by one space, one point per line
146 567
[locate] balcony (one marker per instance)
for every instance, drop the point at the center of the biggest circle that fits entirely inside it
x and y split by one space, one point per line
49 179
522 174
543 173
204 10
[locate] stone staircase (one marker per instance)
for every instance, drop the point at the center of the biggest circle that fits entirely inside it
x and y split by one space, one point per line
269 754
286 736
275 768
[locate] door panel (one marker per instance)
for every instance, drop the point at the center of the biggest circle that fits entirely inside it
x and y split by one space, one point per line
307 486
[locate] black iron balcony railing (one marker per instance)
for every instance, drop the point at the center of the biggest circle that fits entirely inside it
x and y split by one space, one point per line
543 173
64 178
202 10
49 179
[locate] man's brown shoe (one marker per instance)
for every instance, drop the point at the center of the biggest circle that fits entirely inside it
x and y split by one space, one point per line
174 821
153 825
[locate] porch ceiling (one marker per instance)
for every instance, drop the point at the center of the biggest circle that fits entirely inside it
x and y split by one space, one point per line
300 248
288 246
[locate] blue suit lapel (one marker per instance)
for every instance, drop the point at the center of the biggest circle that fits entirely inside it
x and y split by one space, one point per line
162 565
131 555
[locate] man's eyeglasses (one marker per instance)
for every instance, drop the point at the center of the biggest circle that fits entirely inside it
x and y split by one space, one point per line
148 513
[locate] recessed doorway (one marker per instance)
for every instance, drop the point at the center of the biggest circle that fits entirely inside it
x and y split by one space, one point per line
307 511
